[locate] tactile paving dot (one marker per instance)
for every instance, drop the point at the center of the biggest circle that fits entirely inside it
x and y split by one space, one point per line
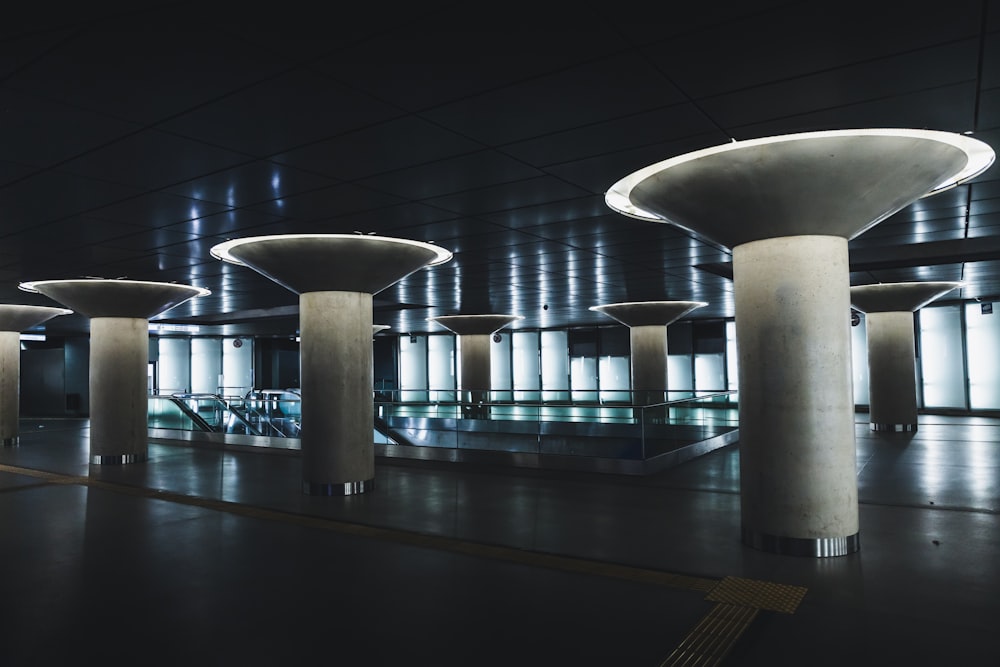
758 594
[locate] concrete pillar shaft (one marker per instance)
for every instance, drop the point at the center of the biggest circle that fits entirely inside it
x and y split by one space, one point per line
648 348
797 450
475 350
119 360
649 357
10 374
338 454
892 382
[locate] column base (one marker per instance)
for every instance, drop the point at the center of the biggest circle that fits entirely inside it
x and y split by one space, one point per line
822 547
893 428
117 459
338 489
11 442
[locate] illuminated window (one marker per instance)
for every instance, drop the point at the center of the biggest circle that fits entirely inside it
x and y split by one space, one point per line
859 361
941 356
413 368
174 367
732 369
443 366
982 343
500 372
237 366
555 366
524 367
206 365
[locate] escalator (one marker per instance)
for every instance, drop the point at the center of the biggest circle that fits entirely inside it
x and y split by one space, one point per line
272 413
204 412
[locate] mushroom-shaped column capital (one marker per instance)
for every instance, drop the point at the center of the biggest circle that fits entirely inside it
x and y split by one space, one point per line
15 317
799 184
648 313
899 297
331 262
99 297
466 325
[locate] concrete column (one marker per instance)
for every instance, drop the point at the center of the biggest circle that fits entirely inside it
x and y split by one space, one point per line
787 206
892 380
10 373
119 359
335 276
476 372
797 450
476 375
15 318
647 322
892 383
337 372
649 363
119 312
475 333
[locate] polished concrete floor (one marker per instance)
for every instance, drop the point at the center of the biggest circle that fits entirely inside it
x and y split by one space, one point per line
208 557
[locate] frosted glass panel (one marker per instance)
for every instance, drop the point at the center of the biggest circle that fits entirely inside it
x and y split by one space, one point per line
206 365
709 372
237 366
859 362
174 365
983 348
614 377
500 377
413 368
583 378
941 362
732 371
443 366
525 368
679 372
555 366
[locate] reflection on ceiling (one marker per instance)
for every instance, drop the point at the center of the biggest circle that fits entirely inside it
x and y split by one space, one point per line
137 137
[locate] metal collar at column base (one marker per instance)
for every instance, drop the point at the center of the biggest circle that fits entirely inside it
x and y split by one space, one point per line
11 442
116 459
338 488
893 428
821 547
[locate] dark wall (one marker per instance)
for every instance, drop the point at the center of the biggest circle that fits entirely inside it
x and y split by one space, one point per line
77 375
276 363
384 358
43 383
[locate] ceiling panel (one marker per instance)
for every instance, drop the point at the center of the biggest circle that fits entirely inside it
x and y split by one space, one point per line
294 108
138 137
398 143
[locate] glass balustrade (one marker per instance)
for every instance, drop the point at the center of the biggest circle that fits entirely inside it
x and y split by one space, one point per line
662 424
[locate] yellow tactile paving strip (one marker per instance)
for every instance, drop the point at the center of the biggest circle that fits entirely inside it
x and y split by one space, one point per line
738 600
758 594
712 639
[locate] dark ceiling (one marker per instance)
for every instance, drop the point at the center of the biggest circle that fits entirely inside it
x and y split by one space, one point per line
134 137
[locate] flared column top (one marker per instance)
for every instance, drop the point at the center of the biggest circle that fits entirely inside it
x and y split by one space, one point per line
648 313
105 297
331 262
376 328
833 183
15 317
475 324
898 297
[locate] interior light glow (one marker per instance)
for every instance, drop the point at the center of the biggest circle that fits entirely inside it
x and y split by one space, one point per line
183 328
223 251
